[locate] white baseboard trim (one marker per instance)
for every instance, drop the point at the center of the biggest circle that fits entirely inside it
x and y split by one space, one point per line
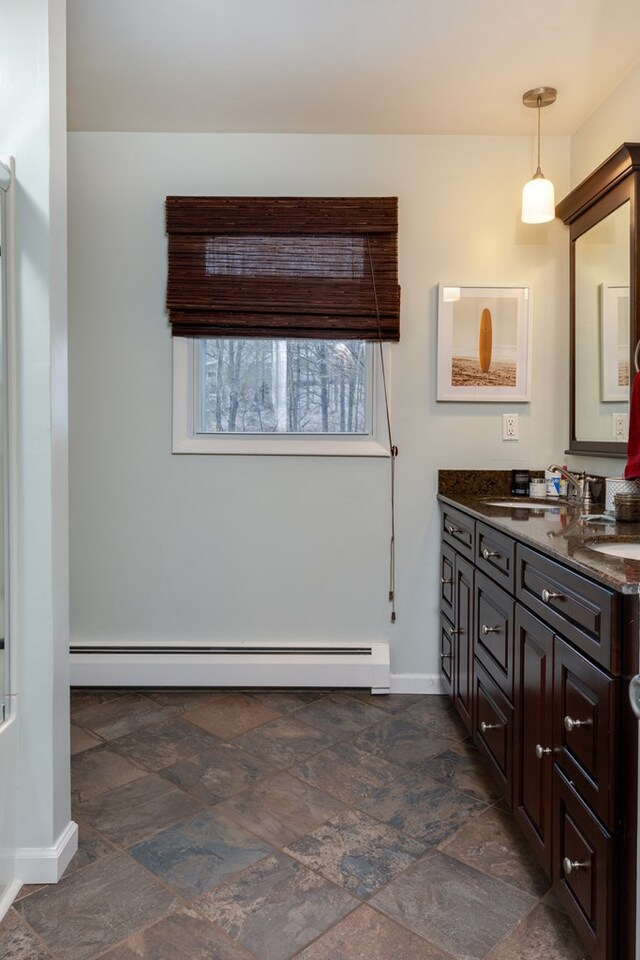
416 683
47 864
9 896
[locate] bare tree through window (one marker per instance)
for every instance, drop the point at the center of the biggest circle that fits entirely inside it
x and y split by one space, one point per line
284 386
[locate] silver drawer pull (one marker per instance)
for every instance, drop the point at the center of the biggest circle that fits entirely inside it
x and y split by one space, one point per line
570 866
487 554
570 724
542 751
452 529
489 726
445 656
446 580
547 595
454 631
486 630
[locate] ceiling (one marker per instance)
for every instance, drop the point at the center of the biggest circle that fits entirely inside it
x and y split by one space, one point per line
343 66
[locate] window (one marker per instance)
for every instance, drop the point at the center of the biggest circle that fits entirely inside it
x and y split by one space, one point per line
248 396
278 308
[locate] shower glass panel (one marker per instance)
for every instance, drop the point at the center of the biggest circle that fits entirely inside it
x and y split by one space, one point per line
5 183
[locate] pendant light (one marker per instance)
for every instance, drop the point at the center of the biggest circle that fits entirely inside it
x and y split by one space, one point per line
538 200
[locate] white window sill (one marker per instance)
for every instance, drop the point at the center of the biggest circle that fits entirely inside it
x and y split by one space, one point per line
275 446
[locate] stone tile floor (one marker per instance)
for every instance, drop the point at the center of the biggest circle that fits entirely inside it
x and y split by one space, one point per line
321 825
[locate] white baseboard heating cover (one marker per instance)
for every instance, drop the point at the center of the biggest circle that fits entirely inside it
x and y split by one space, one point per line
286 664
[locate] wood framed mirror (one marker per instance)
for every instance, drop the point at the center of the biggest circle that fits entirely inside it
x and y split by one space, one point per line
602 215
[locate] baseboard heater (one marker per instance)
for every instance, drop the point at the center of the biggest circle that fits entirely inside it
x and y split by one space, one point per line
232 665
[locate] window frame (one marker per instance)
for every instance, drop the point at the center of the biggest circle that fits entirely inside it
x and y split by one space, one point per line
186 438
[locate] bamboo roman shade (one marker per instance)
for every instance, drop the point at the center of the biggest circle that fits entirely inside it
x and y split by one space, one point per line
321 267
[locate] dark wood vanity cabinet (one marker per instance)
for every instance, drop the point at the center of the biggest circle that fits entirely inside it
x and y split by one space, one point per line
533 732
532 657
457 605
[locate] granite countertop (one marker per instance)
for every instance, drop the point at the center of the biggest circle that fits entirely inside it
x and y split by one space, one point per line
559 530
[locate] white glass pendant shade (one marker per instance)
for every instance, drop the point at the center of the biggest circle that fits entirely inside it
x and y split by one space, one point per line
538 200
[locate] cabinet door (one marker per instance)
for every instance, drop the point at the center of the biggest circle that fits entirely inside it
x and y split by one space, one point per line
495 555
493 632
533 731
493 730
458 530
447 581
584 875
463 647
584 711
447 652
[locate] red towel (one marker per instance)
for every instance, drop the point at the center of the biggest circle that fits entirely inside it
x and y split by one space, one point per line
632 469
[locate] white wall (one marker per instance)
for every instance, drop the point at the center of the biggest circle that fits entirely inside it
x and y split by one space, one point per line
32 128
612 123
181 548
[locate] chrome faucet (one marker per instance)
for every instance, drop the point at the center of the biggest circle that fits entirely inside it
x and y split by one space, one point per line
578 481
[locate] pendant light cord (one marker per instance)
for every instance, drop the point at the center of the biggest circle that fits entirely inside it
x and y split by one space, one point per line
393 450
539 105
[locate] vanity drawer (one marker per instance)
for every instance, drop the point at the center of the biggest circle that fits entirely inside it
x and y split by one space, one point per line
585 708
493 730
458 530
583 871
446 652
447 580
495 555
581 610
493 632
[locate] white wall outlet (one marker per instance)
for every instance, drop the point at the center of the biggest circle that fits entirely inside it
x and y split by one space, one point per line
510 426
620 426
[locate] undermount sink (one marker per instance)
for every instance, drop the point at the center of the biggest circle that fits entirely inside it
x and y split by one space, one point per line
523 503
629 550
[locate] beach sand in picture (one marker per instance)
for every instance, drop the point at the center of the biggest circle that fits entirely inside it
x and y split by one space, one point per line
466 372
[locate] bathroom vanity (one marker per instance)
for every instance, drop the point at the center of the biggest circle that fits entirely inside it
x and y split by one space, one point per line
539 639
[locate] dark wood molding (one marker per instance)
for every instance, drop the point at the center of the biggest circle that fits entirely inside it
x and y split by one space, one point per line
615 168
613 183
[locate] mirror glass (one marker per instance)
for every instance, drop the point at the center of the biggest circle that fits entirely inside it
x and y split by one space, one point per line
602 335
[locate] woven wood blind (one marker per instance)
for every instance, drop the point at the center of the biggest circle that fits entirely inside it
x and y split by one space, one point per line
283 267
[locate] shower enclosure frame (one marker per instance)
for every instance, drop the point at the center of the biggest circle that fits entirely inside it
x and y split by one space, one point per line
8 400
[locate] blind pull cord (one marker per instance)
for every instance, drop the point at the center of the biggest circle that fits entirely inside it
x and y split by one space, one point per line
393 450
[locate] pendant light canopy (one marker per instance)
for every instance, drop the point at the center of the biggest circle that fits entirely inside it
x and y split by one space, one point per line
538 199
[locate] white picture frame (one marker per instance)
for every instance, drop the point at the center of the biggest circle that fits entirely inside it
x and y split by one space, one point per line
463 373
614 343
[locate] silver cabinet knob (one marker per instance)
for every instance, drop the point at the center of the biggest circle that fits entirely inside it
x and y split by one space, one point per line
489 726
445 656
446 580
541 751
453 631
452 529
486 630
570 866
547 595
634 691
570 724
487 554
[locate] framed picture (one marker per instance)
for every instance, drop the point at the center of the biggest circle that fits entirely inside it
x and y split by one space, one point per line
484 344
614 342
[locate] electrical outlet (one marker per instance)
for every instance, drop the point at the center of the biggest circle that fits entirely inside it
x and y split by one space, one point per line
620 426
510 426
